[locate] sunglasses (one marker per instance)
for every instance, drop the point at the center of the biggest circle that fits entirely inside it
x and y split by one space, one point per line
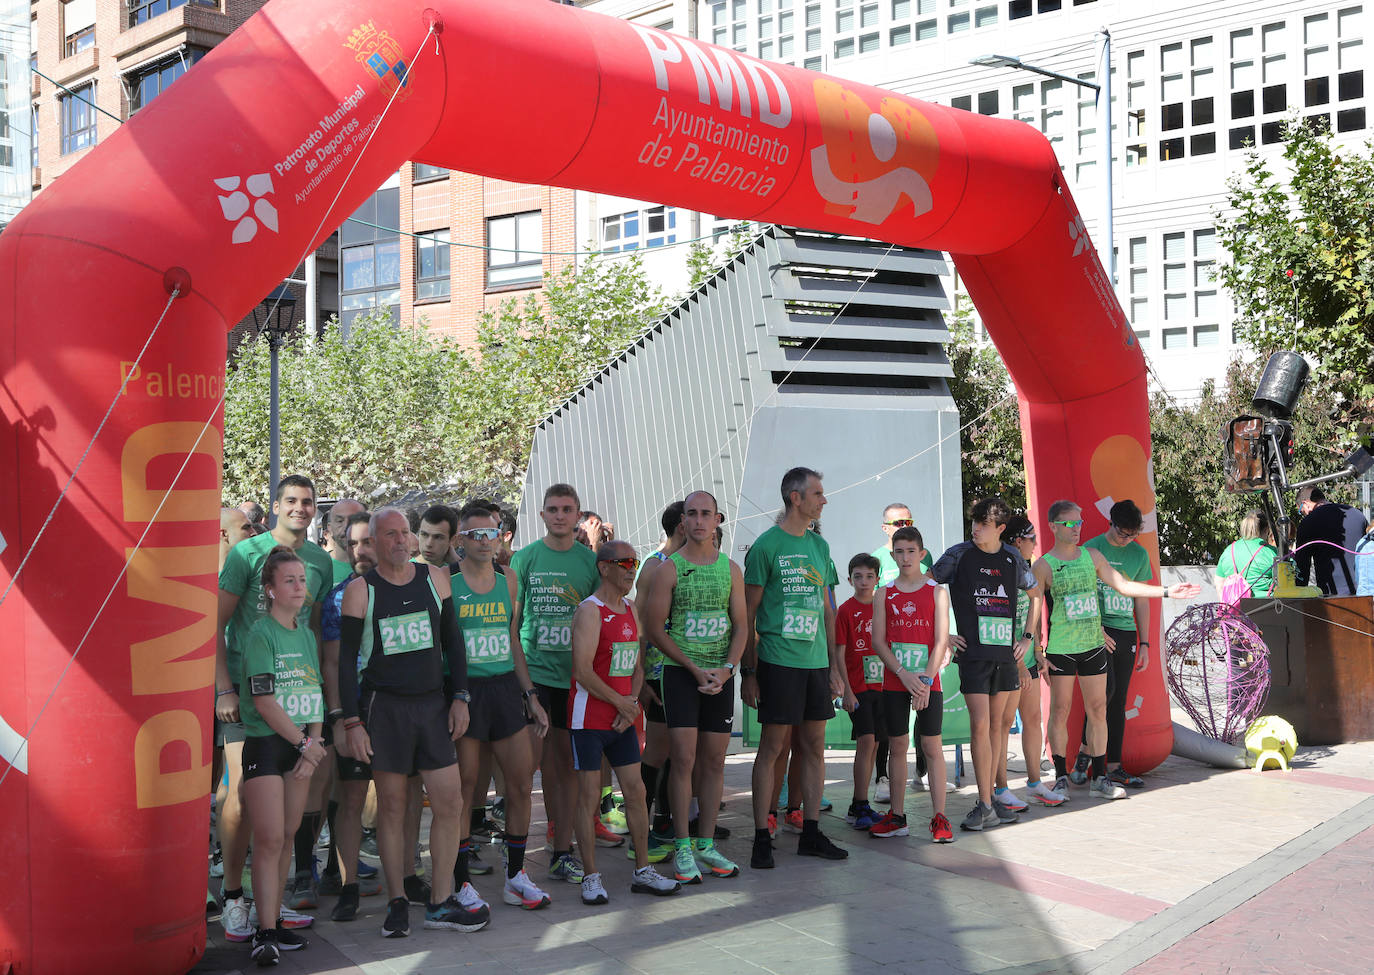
900 523
1126 532
1069 524
486 534
629 564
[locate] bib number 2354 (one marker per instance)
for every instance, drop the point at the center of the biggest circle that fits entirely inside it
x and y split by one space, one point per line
800 624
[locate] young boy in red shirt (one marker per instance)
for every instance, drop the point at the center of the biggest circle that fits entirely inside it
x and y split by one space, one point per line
863 680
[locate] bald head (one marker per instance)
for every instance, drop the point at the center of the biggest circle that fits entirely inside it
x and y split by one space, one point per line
234 527
336 522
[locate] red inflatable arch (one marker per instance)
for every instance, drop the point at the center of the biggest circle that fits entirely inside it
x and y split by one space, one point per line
221 185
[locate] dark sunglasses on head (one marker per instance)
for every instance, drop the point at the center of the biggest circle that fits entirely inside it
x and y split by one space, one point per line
900 523
631 563
489 534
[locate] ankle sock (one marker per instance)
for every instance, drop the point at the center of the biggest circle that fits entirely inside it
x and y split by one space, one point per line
515 853
1061 766
1099 766
811 827
460 865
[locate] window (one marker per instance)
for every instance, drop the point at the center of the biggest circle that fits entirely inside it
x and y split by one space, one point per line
654 227
370 259
431 265
142 11
513 242
1138 276
78 118
78 26
729 23
147 83
425 173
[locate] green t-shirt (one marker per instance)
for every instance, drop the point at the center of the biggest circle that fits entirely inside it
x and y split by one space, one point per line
1255 558
1022 614
1075 620
794 573
242 577
1133 562
292 659
484 620
342 571
888 571
699 620
549 586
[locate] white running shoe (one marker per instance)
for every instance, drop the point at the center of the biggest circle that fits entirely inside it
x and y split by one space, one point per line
470 899
1105 788
647 880
1009 799
235 919
593 892
881 791
289 918
1043 794
521 891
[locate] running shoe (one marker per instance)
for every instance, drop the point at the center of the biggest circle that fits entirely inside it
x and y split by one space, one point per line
792 821
1079 774
476 866
925 784
368 847
234 918
566 867
347 907
469 898
979 817
647 880
294 919
520 891
265 951
288 940
593 892
322 843
488 827
819 845
1004 813
716 862
451 915
605 837
889 826
304 895
772 824
397 923
1043 794
367 871
761 858
660 848
882 792
497 810
1061 786
615 822
1009 799
416 890
940 831
861 815
719 834
826 804
685 869
369 884
217 862
1104 788
1121 777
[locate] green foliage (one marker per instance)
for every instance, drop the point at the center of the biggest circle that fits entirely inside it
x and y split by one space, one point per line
1312 219
990 444
704 258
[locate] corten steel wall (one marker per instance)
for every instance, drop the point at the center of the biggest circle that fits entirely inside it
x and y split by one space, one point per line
807 349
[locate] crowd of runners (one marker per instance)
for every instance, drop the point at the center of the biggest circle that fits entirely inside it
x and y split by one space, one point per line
414 660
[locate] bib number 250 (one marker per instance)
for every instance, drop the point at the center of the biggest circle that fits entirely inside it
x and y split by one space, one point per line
553 637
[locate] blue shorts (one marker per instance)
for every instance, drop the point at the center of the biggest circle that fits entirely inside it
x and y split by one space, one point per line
590 745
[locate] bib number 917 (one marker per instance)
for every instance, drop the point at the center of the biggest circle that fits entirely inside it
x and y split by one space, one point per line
912 656
800 624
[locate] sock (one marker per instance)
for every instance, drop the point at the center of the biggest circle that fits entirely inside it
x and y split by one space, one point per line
331 864
684 844
857 803
702 845
760 836
479 816
515 853
811 827
460 865
305 840
237 892
880 761
559 853
1099 766
649 775
1061 766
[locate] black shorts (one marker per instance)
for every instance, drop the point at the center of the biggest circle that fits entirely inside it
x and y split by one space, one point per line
497 710
228 732
791 695
686 707
653 709
894 714
350 769
988 676
555 702
1089 663
864 718
590 745
409 733
268 755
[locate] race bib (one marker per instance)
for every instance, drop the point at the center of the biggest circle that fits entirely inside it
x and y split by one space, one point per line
406 634
490 645
873 669
623 657
800 624
1116 604
994 631
302 705
553 637
912 656
1080 607
705 627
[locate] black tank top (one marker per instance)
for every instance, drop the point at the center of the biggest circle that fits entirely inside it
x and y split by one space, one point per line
400 651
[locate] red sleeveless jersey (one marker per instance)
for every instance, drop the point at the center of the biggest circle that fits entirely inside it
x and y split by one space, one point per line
910 631
617 655
854 630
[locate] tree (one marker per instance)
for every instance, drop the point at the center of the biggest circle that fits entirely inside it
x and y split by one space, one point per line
1299 248
705 259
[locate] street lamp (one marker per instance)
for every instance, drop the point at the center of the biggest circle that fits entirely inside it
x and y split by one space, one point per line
275 316
1104 107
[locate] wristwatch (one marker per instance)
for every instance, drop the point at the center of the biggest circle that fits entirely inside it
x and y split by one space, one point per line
1027 635
730 667
746 671
1143 643
926 679
463 696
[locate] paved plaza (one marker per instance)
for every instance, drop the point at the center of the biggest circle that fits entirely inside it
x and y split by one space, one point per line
1203 871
